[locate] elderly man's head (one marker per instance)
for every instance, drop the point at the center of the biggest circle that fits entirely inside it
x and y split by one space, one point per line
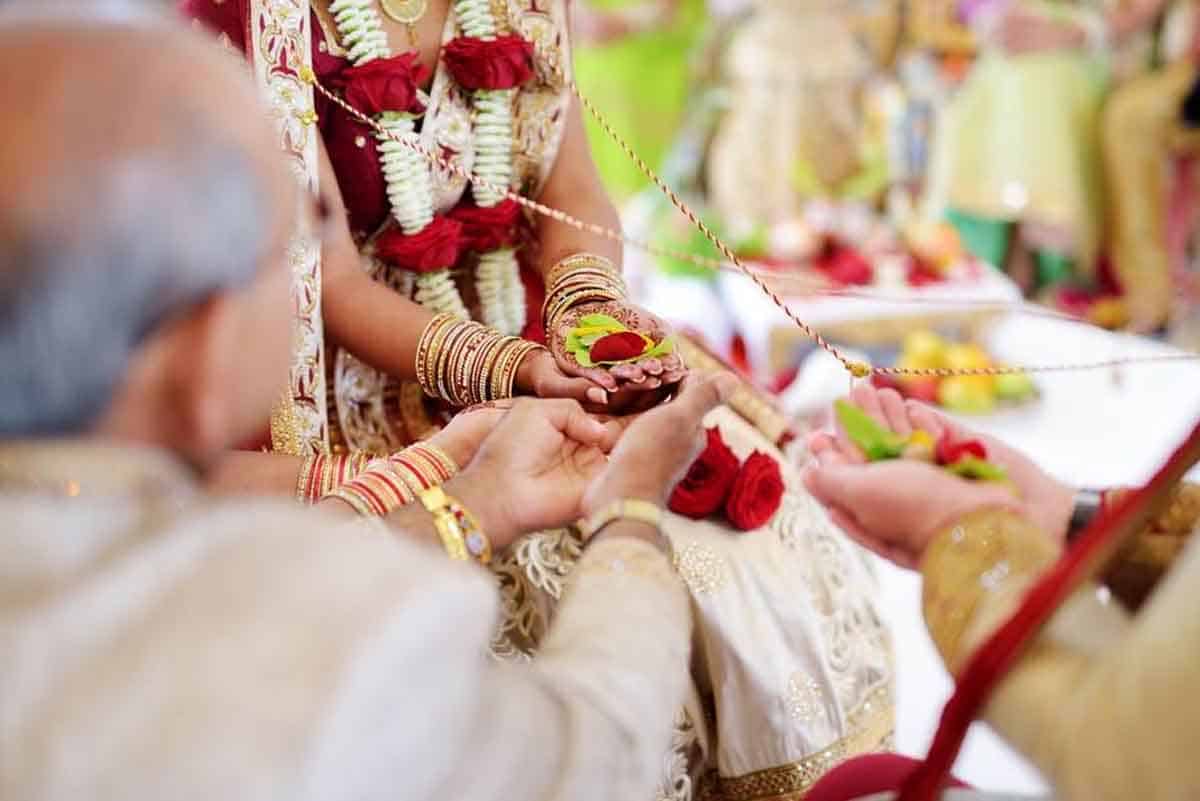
144 215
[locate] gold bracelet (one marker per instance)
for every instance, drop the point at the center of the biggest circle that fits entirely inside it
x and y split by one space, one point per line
457 528
622 509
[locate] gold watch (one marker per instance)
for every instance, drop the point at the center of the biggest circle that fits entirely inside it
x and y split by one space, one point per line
626 509
460 533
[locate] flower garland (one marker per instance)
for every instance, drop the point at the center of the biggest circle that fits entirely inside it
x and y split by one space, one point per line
492 67
409 186
498 275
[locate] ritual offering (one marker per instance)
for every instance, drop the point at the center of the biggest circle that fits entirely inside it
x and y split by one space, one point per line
599 340
747 493
967 458
967 394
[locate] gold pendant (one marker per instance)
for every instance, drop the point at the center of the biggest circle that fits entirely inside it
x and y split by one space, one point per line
406 12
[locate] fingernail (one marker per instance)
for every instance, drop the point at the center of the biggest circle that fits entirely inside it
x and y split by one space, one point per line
597 395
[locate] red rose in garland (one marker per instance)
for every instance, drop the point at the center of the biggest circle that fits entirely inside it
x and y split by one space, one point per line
756 493
385 84
707 483
434 247
505 62
488 228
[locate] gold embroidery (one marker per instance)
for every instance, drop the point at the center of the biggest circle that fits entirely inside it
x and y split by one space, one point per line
988 553
870 728
282 42
700 568
804 700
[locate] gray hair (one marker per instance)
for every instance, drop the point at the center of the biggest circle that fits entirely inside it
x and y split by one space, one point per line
135 241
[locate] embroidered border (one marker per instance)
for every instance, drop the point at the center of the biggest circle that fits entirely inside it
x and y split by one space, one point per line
871 725
280 44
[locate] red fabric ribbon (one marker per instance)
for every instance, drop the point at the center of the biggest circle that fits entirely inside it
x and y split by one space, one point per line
505 62
435 247
485 229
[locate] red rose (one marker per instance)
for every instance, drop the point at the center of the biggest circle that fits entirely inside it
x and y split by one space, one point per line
949 451
385 84
502 63
485 229
617 347
708 480
756 493
434 247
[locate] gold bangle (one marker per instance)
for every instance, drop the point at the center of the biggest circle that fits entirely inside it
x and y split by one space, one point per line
304 491
457 528
576 261
428 347
622 509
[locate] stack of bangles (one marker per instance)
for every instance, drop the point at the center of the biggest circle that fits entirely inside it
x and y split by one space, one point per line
581 278
386 484
464 363
417 473
322 472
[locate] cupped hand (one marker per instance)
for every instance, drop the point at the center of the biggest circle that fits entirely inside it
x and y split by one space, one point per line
655 374
857 493
541 375
531 471
657 447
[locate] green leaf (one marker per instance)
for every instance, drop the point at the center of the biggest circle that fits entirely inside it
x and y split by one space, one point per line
601 320
876 442
591 339
978 469
663 348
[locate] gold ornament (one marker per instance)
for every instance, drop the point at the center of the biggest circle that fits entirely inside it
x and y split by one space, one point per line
406 12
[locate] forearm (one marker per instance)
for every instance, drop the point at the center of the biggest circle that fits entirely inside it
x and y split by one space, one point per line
254 473
591 717
373 322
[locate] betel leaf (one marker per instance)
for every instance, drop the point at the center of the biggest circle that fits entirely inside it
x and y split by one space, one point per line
978 469
600 321
876 442
663 348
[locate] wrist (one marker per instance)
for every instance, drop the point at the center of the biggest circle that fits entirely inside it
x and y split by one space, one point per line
472 491
527 372
634 529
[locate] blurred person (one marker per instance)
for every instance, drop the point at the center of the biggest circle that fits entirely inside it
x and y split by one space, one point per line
157 642
1143 129
1103 702
1017 163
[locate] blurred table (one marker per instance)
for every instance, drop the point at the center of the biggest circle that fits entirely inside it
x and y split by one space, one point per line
774 341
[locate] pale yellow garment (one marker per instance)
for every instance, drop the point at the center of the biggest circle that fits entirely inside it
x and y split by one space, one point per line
1106 705
155 644
1138 123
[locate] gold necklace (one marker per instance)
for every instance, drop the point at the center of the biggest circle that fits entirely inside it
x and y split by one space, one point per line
406 12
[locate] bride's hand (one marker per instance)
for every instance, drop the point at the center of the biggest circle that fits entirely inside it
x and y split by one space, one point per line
541 376
463 435
657 375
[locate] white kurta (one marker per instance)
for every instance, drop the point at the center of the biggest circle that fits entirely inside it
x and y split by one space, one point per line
154 644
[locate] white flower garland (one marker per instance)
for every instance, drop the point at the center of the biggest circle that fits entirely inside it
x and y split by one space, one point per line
409 186
498 276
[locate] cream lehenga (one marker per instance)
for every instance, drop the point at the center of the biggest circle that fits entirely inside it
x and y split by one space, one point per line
792 669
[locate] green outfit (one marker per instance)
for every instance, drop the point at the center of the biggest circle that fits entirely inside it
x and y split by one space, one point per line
1020 143
640 83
